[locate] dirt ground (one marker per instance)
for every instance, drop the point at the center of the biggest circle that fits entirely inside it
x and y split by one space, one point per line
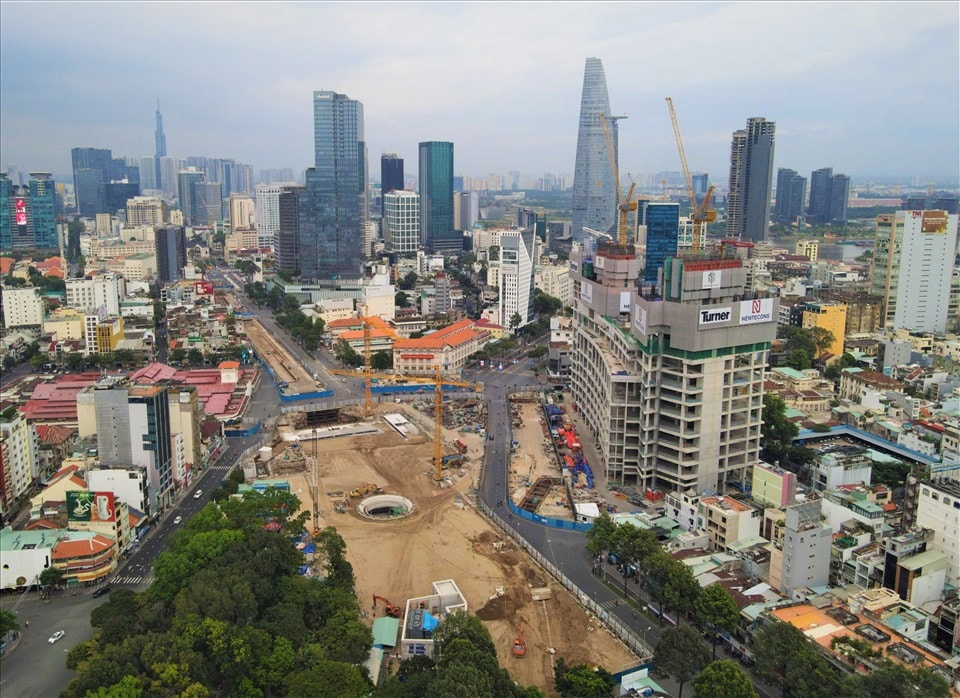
284 366
446 539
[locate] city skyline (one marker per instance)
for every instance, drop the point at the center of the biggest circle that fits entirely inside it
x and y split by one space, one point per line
871 93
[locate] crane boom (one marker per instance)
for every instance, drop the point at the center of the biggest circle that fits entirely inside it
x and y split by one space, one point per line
701 214
624 205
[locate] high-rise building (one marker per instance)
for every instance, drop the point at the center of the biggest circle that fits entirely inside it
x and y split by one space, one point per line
171 253
828 316
936 510
670 380
147 210
19 459
100 181
801 558
751 181
466 209
160 141
595 195
701 182
436 199
101 294
268 212
828 197
241 211
286 241
207 203
28 218
148 167
519 252
334 207
912 264
791 193
391 173
401 221
186 179
660 231
170 167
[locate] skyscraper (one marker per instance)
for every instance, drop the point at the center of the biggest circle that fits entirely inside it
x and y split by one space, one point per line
828 196
436 198
391 173
28 213
334 207
661 221
912 264
171 247
594 186
286 239
401 221
185 181
161 146
791 192
751 181
207 203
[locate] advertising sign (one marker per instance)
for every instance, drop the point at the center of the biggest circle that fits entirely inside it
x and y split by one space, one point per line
624 301
203 288
711 279
20 208
640 319
715 316
91 506
756 311
934 222
586 292
598 262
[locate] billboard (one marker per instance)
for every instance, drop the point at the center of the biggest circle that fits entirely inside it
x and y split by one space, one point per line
95 507
934 222
20 209
756 311
203 288
640 319
711 279
586 292
624 301
715 316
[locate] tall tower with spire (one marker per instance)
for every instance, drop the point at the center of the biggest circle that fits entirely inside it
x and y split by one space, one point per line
161 145
594 187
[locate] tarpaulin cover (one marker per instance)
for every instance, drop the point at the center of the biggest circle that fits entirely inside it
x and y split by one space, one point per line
429 622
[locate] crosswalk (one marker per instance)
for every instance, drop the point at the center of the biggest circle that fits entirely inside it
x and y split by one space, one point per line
133 579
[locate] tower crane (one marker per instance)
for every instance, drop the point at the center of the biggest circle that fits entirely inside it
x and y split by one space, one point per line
624 205
701 213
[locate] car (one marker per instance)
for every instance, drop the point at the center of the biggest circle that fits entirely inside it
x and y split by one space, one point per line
102 591
198 494
56 637
177 520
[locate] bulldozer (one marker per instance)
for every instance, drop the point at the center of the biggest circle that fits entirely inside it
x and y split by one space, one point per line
519 645
391 610
365 490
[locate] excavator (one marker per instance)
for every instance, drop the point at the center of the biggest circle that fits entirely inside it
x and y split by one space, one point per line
391 610
365 490
519 646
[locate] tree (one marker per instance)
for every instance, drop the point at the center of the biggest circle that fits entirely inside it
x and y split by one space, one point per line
343 352
823 339
408 282
891 680
8 623
37 361
777 432
580 681
515 321
775 648
74 361
681 653
545 304
401 300
600 536
51 577
799 360
716 611
633 546
723 678
194 357
381 361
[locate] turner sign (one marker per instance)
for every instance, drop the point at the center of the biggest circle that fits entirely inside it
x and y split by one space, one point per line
752 312
714 316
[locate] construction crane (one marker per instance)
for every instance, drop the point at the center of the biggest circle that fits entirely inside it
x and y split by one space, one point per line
701 213
624 205
519 645
439 381
367 375
315 487
391 610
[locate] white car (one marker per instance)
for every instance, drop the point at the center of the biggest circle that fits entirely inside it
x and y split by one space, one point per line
198 494
56 636
177 520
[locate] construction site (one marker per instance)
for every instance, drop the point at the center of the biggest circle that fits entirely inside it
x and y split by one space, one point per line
376 482
291 377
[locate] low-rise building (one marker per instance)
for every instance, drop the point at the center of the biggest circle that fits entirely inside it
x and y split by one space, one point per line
728 520
447 349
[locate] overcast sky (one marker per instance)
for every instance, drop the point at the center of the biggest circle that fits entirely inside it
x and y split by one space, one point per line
871 89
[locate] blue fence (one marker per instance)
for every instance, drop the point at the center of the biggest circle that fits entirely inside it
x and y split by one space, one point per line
248 431
315 395
547 521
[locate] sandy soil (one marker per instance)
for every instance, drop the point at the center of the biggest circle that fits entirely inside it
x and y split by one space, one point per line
446 539
284 366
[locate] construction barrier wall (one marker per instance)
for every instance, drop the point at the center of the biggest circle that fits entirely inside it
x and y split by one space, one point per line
245 431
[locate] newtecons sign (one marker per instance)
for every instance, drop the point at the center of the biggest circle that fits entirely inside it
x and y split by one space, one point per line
748 313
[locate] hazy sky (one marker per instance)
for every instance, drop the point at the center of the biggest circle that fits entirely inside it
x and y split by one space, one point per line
871 89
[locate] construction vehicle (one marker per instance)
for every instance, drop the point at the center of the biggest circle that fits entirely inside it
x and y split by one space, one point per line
365 490
452 459
701 212
519 645
391 610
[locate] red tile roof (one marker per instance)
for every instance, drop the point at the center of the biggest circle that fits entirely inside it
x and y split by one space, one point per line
57 400
89 547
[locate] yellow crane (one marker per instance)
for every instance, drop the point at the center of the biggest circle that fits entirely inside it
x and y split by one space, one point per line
367 395
624 205
439 381
701 213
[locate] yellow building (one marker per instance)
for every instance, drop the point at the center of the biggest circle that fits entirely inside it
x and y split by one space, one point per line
809 249
64 324
828 316
109 334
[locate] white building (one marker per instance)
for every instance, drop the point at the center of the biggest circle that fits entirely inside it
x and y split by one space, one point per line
129 485
22 307
268 213
101 294
421 615
19 456
938 508
401 221
518 250
466 209
378 298
912 266
554 280
801 559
